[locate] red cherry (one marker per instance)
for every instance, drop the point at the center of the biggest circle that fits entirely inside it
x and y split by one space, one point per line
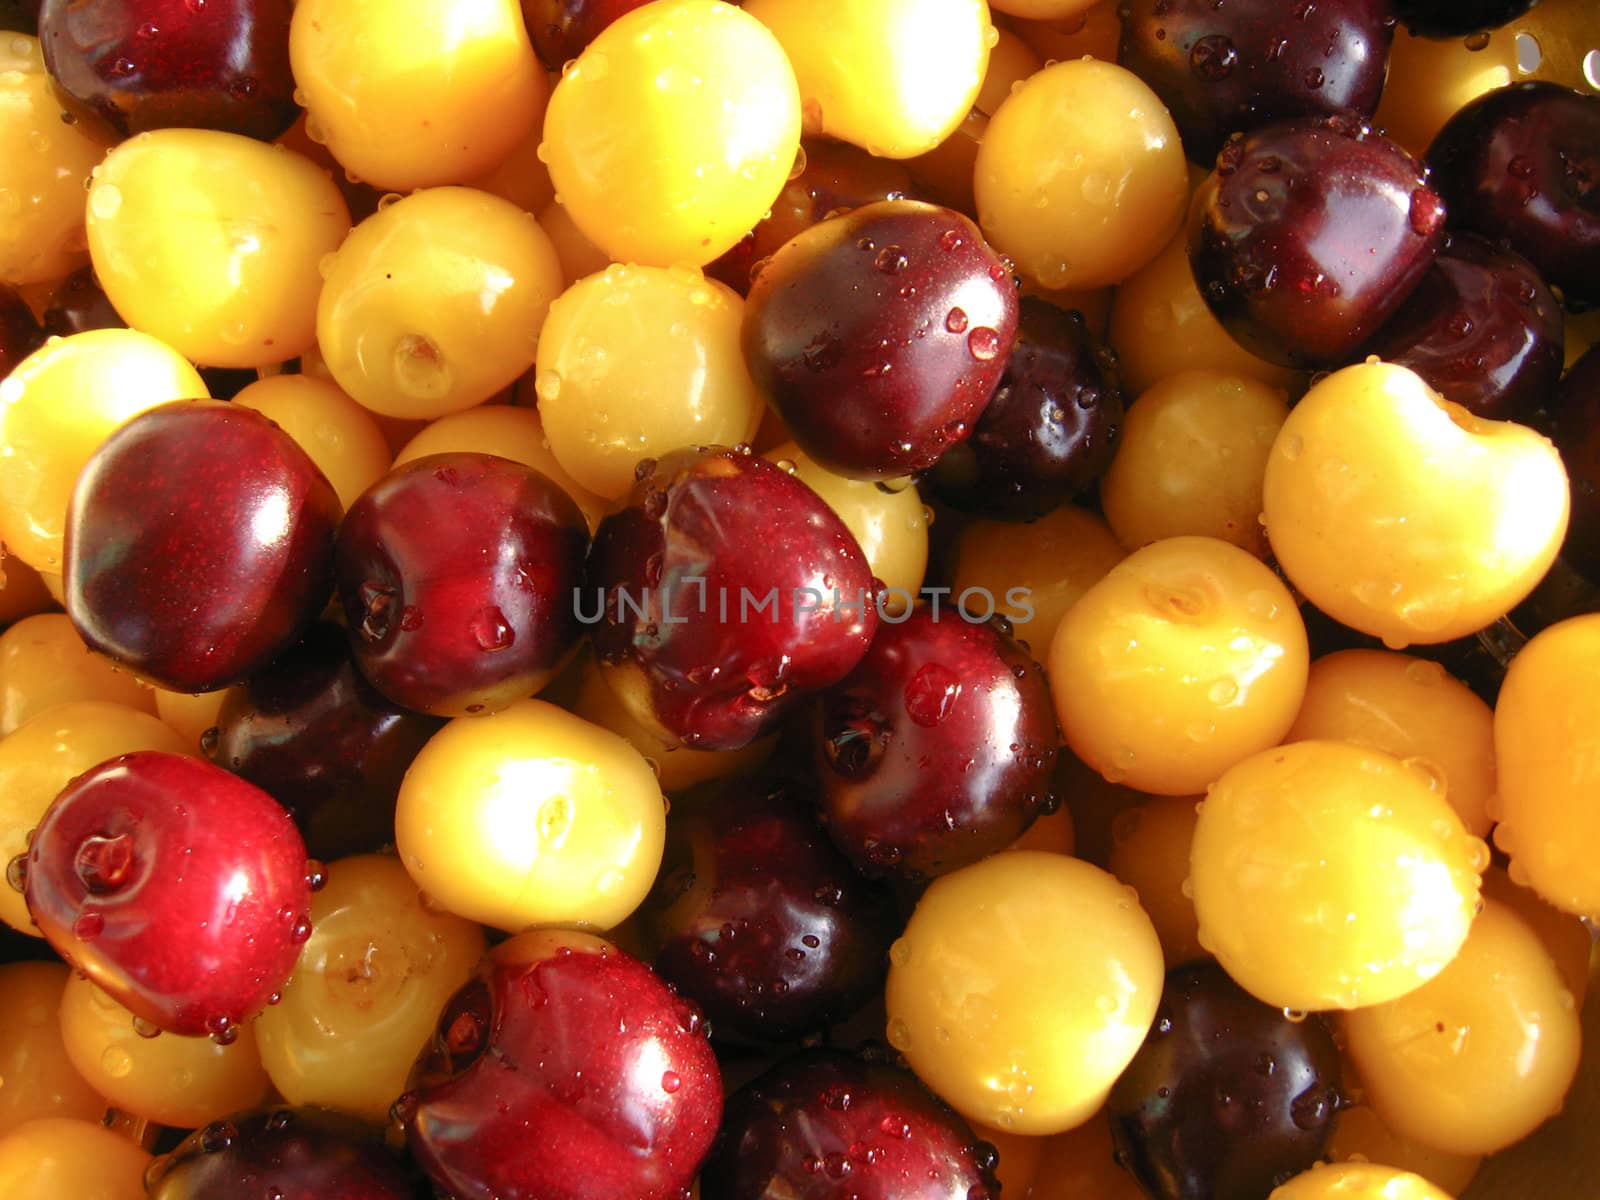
177 887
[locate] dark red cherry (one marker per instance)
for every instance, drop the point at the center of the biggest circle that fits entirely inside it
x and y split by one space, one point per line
178 888
722 594
825 1124
151 64
313 734
199 545
1310 234
1482 328
1575 429
1230 68
837 177
1050 428
20 334
1458 18
282 1154
1227 1097
1521 166
78 304
760 920
458 574
560 29
939 748
879 335
20 16
564 1070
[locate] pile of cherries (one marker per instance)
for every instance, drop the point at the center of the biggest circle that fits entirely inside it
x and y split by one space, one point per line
603 602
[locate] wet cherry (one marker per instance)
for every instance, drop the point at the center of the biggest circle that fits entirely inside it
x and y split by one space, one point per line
150 64
1457 18
199 545
879 335
178 888
20 334
761 921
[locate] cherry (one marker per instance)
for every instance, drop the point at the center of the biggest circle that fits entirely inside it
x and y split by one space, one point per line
151 64
1309 235
1227 1097
177 887
1575 429
760 920
564 1070
1482 328
825 1124
1521 166
20 334
470 615
938 749
725 591
837 177
20 16
79 304
879 335
1458 18
1050 428
311 732
199 545
1227 68
560 29
284 1153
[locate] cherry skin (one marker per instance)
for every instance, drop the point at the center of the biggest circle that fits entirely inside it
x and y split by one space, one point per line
837 177
1230 68
79 304
937 750
1227 1098
290 1154
824 1124
1458 18
879 335
560 29
313 734
152 64
1521 166
20 334
1050 428
178 888
199 545
20 16
564 1070
1309 235
760 920
467 615
1483 329
721 595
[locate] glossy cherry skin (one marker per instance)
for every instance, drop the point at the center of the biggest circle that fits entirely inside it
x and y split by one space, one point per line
784 605
1521 166
837 177
565 1070
178 888
20 334
1050 428
1483 329
826 1124
1309 235
1457 18
760 920
199 545
313 734
938 749
290 1154
1227 1098
468 614
879 335
1575 429
1230 68
151 64
560 29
